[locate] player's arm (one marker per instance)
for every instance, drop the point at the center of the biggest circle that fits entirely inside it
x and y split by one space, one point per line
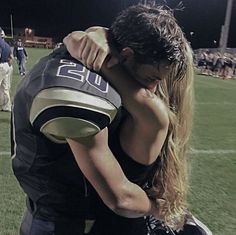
71 119
103 171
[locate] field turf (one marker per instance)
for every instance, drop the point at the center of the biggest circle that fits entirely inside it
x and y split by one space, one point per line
212 157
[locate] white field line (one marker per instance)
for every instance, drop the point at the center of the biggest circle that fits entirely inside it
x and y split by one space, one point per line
5 153
212 151
191 151
215 103
217 85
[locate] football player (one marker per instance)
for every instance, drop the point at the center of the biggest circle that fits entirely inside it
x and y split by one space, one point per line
60 142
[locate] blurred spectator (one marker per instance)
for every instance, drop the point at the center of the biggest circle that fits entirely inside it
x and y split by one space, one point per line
201 64
218 65
209 63
234 65
5 73
58 45
215 64
228 64
21 56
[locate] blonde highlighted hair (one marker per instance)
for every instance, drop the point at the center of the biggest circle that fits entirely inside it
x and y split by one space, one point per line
171 181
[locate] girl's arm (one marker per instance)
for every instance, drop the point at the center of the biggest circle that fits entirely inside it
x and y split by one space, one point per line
147 127
100 167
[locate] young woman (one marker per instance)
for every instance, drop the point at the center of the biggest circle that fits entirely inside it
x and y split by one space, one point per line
154 78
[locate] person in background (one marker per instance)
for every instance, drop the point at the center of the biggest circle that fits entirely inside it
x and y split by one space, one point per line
21 56
58 45
217 65
234 65
5 73
228 65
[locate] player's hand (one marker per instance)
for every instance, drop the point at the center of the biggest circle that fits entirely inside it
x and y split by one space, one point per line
157 209
90 47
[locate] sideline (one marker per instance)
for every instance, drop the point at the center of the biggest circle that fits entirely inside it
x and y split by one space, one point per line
5 153
211 151
215 103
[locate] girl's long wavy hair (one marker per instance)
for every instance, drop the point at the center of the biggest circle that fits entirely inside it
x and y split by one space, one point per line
171 181
154 35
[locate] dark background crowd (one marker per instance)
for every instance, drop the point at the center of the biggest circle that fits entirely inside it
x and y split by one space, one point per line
215 63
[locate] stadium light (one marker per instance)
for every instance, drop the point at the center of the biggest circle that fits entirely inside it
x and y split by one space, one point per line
12 32
191 33
225 27
28 32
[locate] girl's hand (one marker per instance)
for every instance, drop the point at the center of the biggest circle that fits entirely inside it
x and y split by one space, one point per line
90 47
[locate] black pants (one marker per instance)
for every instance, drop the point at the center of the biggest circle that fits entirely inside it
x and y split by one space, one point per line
32 225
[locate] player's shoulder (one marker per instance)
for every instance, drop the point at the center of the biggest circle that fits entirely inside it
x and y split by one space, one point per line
61 113
70 101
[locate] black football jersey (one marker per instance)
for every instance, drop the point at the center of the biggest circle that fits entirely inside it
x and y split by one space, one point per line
59 98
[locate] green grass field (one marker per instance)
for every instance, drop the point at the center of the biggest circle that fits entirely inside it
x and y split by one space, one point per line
212 196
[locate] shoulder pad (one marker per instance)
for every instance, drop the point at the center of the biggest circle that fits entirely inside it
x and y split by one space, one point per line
61 113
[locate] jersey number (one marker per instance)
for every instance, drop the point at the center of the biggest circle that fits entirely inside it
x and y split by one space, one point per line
78 72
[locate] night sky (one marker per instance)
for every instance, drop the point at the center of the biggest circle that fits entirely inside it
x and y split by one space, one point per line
56 18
